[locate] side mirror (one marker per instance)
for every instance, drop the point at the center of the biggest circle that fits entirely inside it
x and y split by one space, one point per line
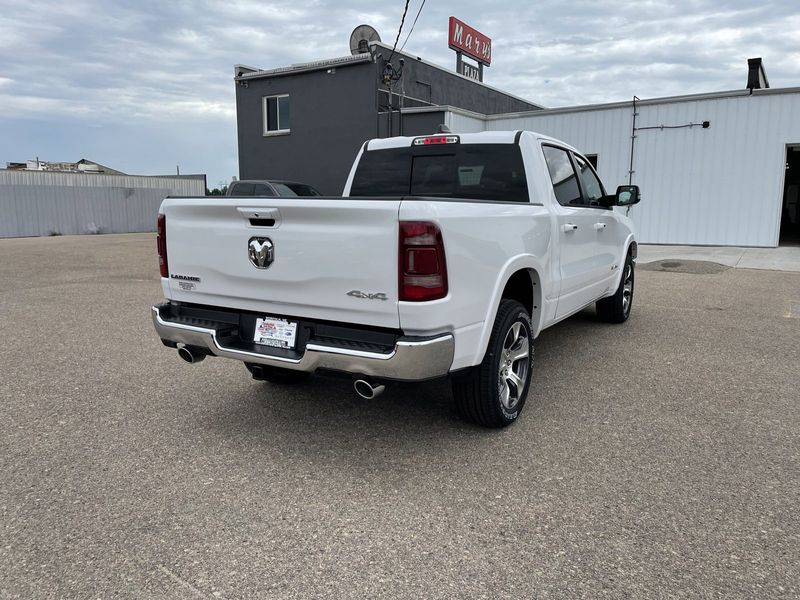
627 195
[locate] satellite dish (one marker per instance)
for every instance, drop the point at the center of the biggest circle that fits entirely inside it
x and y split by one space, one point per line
361 38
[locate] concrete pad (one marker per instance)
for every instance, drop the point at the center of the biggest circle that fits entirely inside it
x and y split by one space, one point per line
785 258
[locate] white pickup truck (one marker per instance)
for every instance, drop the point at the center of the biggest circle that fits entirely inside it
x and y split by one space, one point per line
446 256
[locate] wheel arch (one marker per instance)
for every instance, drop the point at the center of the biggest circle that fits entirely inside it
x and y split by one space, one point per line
630 247
522 281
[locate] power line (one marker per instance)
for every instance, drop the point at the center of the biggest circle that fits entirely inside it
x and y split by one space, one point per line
412 25
397 39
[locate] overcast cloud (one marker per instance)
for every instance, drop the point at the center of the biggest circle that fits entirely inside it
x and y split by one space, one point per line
144 86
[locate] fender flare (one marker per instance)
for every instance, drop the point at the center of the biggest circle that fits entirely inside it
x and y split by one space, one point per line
629 241
516 263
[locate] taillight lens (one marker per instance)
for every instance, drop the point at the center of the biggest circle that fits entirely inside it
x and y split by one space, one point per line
161 243
422 268
435 140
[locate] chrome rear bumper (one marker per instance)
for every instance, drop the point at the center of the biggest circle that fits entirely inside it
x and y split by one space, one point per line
411 359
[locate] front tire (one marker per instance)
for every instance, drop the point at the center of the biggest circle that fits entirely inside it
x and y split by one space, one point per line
493 393
617 308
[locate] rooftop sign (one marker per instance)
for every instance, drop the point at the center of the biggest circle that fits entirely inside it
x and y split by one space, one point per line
463 38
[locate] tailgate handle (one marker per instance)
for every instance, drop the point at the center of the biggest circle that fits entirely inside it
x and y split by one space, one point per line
261 217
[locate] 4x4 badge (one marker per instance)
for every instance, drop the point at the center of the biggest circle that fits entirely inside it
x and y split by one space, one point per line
366 296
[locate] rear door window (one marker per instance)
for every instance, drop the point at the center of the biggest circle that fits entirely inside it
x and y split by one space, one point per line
262 189
301 189
242 189
592 188
472 171
562 175
283 190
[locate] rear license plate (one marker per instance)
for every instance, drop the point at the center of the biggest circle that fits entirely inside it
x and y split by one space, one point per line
278 333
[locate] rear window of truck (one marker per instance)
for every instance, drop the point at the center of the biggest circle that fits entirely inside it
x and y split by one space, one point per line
472 171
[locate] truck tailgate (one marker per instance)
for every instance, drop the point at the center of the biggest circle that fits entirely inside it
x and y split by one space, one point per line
323 248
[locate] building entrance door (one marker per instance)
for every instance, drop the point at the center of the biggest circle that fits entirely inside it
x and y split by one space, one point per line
790 209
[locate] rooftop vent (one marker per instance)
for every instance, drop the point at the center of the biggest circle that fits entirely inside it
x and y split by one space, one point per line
756 75
239 70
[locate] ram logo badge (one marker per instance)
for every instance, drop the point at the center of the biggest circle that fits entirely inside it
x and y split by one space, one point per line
366 296
261 251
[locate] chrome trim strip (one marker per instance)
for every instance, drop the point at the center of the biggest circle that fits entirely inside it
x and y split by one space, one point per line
409 360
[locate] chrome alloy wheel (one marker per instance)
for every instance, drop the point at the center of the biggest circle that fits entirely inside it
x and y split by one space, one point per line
514 366
627 288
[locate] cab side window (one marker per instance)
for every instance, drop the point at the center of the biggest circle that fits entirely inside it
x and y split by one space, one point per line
242 189
261 189
562 175
592 188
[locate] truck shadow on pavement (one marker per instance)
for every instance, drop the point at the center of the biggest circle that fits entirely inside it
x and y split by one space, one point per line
324 415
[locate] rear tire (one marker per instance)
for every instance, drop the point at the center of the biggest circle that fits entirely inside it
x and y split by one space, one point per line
617 308
275 375
493 393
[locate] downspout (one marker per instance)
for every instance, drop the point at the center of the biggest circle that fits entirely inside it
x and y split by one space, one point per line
377 108
391 123
633 140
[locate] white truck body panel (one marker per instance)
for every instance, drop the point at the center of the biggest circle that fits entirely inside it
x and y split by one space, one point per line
325 248
484 242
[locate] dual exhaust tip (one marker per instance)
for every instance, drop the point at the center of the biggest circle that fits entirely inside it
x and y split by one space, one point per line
365 388
191 354
368 389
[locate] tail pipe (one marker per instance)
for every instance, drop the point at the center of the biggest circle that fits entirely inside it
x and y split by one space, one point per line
192 354
368 389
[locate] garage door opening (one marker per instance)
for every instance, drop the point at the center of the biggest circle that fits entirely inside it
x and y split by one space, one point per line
790 209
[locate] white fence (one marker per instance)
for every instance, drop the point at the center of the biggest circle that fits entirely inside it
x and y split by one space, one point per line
37 204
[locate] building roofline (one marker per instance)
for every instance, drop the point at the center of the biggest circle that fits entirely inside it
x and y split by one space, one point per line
248 73
447 108
645 102
449 72
341 61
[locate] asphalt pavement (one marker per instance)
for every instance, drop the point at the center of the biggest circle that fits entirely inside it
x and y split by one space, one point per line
655 459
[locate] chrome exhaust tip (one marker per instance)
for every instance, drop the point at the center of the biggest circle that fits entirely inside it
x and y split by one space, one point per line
367 389
191 355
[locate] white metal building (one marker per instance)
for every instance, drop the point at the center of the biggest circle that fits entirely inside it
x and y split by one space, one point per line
35 203
730 183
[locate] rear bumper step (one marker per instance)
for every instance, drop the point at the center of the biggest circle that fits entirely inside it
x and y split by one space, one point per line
411 359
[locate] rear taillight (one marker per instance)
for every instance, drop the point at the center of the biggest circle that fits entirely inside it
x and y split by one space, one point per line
161 242
422 268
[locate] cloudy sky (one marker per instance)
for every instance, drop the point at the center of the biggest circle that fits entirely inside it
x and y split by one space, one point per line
145 85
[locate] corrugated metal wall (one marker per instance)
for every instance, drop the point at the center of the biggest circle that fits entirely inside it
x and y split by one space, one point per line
462 123
717 186
41 203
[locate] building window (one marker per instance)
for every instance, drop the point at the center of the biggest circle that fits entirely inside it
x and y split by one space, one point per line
276 114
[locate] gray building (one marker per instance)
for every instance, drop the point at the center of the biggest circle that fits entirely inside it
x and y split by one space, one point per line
306 122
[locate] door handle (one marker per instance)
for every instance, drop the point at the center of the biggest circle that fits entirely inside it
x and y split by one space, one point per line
567 227
260 217
599 226
259 213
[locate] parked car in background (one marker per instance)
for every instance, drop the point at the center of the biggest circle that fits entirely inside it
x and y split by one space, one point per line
262 187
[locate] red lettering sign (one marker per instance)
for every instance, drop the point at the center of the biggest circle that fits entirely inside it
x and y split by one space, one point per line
463 38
